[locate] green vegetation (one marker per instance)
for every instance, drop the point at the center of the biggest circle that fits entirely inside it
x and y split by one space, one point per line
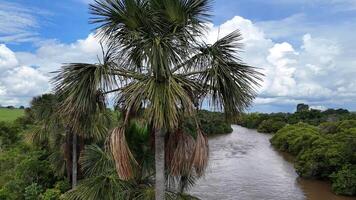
158 68
10 114
323 142
35 158
324 152
271 123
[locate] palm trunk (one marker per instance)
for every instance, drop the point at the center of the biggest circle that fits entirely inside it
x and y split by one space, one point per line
159 164
74 161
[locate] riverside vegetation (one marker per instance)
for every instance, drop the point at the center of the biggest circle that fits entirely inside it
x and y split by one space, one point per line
323 143
35 163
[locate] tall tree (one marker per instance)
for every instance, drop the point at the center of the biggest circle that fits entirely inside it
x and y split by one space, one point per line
53 130
156 61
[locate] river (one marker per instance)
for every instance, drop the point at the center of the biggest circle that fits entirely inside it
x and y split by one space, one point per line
244 166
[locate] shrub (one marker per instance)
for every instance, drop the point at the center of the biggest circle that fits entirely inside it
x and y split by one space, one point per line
320 161
252 120
270 126
212 123
51 194
295 138
63 186
347 124
35 168
9 134
329 127
344 181
13 190
33 191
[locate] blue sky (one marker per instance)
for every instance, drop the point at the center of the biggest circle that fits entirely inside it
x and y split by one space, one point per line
305 47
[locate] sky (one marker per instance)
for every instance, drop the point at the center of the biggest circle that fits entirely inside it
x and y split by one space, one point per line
305 48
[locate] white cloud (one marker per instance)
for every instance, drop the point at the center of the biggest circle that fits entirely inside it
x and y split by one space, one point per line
7 58
53 54
319 69
24 74
18 83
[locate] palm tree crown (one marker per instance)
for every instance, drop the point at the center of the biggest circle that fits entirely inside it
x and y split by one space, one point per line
157 62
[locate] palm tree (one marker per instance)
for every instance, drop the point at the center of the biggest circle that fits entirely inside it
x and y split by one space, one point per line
156 62
53 131
102 182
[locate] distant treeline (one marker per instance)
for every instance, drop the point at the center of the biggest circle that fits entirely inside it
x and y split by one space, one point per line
323 142
271 123
12 107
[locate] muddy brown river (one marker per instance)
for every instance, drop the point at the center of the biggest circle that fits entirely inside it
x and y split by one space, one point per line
244 166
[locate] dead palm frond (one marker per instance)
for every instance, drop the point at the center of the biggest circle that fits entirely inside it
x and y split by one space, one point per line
122 155
201 153
180 163
157 63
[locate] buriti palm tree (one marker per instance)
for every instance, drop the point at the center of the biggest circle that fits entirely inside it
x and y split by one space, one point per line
156 62
52 130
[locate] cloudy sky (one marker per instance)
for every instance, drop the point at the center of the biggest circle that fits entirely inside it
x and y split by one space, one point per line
305 48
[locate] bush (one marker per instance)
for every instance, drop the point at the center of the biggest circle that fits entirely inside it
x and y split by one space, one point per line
320 161
327 152
347 124
270 126
51 194
63 186
295 138
252 120
212 123
36 168
9 134
13 190
329 127
344 181
33 191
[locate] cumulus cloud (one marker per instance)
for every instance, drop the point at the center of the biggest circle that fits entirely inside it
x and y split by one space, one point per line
318 69
18 83
25 74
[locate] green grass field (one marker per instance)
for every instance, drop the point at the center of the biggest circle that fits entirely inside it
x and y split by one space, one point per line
10 115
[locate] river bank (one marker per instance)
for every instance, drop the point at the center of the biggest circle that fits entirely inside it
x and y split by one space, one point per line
243 165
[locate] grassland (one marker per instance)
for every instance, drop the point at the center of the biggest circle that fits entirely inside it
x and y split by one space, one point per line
10 115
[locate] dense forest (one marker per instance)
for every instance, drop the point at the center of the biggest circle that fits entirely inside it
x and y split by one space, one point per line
36 157
323 142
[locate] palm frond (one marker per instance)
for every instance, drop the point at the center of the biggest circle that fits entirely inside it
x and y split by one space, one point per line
122 155
229 83
79 87
95 161
201 153
180 164
105 187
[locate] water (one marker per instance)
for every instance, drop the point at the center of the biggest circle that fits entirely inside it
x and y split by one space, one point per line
244 166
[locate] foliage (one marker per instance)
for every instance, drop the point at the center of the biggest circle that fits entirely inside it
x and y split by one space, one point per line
327 120
51 194
9 134
270 126
344 181
63 186
33 192
252 120
329 127
295 138
211 123
302 107
324 152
